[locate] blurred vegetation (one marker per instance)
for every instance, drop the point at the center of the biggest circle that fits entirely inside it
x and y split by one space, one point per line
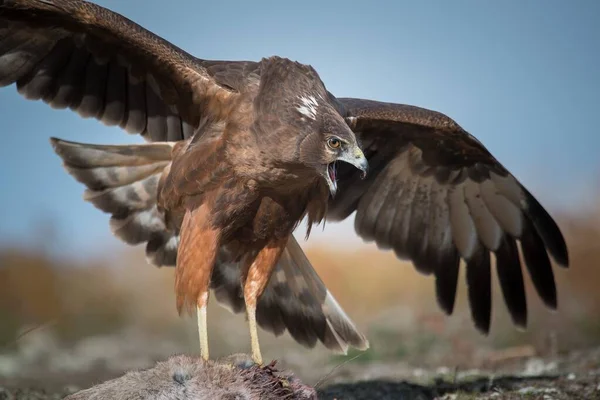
71 316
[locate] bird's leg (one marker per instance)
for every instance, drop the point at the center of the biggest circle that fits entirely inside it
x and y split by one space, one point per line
196 256
202 329
259 271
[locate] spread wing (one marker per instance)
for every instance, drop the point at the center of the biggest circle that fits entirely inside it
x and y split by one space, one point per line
435 195
74 54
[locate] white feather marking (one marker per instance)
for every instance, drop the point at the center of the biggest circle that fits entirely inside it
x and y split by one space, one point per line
147 219
308 107
114 176
343 345
172 243
487 228
139 188
331 307
506 213
280 276
510 188
463 228
122 195
454 174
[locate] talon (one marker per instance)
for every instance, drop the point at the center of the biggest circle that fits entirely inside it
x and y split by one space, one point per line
258 361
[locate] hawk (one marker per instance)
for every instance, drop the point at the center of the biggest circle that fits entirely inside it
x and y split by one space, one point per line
240 152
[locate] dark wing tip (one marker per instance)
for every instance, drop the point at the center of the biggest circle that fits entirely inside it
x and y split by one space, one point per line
446 281
538 264
548 230
479 289
519 319
483 327
510 276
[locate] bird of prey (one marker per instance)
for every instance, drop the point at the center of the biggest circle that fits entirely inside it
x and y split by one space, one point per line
240 152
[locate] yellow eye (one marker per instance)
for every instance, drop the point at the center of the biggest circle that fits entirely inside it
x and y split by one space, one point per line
334 143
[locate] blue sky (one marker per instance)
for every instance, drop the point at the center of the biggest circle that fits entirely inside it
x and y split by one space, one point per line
521 76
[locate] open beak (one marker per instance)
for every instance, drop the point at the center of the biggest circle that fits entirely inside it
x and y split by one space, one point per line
353 156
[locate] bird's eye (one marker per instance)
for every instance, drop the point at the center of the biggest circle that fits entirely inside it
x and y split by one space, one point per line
334 143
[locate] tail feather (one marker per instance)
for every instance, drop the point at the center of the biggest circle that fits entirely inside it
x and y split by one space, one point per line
161 249
138 227
295 299
123 181
96 155
109 177
120 200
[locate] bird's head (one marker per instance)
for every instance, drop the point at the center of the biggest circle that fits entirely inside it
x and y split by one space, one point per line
304 118
328 140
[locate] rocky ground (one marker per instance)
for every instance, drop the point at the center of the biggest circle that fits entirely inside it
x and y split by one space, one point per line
570 376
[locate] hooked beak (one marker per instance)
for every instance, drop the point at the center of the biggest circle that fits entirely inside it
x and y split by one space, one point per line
353 156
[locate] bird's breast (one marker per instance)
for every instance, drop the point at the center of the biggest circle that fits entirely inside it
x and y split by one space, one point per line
253 216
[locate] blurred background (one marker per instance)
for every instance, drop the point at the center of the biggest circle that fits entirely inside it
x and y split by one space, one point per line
78 306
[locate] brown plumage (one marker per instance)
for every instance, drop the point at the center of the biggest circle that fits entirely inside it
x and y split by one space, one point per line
243 151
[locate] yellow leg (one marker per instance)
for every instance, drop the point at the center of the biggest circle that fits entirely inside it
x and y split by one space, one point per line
203 331
256 355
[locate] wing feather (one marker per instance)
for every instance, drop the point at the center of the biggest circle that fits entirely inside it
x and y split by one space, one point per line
479 288
486 226
115 107
506 213
510 276
70 81
463 227
385 221
100 64
418 237
538 265
435 195
446 274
